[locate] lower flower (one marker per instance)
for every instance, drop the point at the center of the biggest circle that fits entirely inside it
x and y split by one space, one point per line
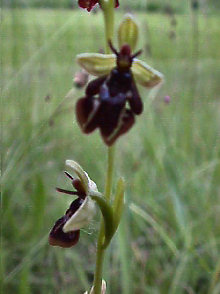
66 231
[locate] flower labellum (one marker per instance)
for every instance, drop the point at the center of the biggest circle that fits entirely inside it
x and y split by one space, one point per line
66 230
57 236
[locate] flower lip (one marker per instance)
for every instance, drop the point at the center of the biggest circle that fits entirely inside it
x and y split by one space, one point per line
57 236
64 240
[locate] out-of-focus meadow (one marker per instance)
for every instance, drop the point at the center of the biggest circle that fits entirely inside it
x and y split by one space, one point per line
169 239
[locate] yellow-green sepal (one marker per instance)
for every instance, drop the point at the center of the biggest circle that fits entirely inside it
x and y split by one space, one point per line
97 64
128 32
145 75
118 204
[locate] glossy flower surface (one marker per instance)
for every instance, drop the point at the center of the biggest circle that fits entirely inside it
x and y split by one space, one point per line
89 4
112 100
66 231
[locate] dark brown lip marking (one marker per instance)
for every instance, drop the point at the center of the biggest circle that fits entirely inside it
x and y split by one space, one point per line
66 240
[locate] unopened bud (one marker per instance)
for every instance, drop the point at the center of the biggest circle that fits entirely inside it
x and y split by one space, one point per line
167 99
81 78
128 32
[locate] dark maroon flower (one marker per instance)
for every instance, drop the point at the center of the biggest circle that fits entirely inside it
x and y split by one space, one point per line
66 231
111 101
89 4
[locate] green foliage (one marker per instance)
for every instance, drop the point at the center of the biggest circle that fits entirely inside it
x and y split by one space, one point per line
170 160
128 5
40 3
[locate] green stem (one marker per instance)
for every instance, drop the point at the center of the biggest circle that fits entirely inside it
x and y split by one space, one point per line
110 168
100 250
108 11
99 262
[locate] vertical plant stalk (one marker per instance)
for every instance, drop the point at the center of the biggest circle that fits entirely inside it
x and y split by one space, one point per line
195 49
110 169
108 11
100 249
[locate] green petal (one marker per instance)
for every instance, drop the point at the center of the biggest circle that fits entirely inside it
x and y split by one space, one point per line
117 210
118 202
80 173
96 64
128 32
146 75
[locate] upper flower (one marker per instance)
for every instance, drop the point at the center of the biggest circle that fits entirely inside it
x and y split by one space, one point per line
89 4
112 100
65 232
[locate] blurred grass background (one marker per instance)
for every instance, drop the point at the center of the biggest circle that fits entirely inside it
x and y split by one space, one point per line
169 238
